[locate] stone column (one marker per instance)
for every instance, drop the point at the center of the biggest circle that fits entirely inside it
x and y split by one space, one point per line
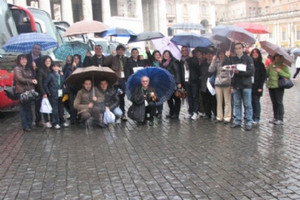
106 12
139 11
87 10
67 11
20 2
162 17
10 1
45 5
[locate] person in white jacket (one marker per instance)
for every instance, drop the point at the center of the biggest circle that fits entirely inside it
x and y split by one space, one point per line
297 65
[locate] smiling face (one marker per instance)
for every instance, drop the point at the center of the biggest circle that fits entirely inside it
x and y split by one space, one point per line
48 62
239 49
23 61
166 55
145 81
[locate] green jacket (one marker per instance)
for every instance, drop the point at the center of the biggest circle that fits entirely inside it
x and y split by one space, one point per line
273 75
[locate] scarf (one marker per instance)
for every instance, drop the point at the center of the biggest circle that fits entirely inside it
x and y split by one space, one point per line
167 62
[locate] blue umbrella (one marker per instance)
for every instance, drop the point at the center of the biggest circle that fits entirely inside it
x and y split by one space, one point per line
24 42
118 32
191 40
160 79
234 33
71 48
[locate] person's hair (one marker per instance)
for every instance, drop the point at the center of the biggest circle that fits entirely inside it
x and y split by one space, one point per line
98 45
120 46
220 51
154 52
134 49
239 43
19 57
167 51
186 47
277 54
44 58
86 79
259 59
36 44
103 80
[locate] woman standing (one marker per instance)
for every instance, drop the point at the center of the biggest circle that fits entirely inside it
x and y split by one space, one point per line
222 87
42 74
24 81
172 65
257 86
275 70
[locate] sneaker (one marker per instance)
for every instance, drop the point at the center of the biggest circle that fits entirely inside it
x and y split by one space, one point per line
194 116
272 121
65 124
57 126
118 121
200 114
124 118
48 125
278 122
248 127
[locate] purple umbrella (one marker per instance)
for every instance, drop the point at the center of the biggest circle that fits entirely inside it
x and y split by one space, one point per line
164 43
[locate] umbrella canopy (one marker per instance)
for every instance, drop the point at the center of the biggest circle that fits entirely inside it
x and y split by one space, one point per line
84 27
94 73
118 32
219 42
273 49
160 79
144 36
191 40
296 51
164 43
24 42
234 33
253 28
71 48
188 26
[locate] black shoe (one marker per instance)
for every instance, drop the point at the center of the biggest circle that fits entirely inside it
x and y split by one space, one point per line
248 127
27 129
124 118
158 116
235 125
151 123
141 122
39 124
101 125
169 116
174 117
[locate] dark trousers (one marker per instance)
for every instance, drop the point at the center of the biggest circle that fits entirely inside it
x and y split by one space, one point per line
70 107
276 95
37 107
256 107
210 103
159 109
57 111
174 105
192 89
26 115
120 88
296 73
46 117
151 109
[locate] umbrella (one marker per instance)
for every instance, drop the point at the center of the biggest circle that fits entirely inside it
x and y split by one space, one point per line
75 80
160 79
24 42
191 40
188 26
164 43
234 33
71 48
273 49
253 28
118 32
84 27
296 51
144 36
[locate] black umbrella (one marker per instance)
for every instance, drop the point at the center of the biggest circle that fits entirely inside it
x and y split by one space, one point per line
144 36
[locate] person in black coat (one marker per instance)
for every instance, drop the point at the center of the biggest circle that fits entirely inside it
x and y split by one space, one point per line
132 62
97 59
172 65
143 102
257 86
33 64
42 74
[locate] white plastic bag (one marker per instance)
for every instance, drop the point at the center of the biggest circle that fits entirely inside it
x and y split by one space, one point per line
46 106
108 117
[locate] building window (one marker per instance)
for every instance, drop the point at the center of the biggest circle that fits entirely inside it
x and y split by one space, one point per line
283 35
203 9
267 9
259 11
298 35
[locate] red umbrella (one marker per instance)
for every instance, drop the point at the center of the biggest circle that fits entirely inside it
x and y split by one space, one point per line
253 28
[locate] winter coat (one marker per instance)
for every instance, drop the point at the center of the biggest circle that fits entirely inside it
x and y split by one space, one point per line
51 85
243 79
204 75
273 75
84 97
111 98
94 60
114 63
131 64
223 77
259 78
42 74
194 69
22 79
174 68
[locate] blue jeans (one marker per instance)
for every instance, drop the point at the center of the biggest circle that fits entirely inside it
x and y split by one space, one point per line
256 107
243 96
26 115
118 112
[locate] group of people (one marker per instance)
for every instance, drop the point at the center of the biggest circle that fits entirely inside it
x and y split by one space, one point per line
235 89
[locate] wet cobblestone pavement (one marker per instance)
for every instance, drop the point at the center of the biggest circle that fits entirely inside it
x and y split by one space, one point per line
174 159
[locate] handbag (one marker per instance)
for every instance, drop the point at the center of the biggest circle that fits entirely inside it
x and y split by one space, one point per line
28 96
10 93
181 93
46 106
285 83
108 117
